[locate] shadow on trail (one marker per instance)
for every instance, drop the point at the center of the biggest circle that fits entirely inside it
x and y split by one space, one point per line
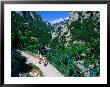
18 64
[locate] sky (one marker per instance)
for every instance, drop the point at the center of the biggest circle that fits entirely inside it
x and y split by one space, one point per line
54 16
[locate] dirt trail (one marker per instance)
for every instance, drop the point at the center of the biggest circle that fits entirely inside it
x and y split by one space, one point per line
48 71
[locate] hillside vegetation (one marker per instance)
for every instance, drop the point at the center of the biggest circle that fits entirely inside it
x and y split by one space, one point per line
73 44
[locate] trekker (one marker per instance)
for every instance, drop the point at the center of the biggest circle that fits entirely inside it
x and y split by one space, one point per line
39 57
42 52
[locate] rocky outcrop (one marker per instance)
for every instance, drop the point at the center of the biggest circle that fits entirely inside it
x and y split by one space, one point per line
73 16
63 28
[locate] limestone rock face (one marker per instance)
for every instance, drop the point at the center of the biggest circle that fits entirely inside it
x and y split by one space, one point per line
20 13
73 16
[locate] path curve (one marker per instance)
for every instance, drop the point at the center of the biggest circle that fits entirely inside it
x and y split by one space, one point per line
48 71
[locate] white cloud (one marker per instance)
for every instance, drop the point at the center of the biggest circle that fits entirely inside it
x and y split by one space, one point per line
66 18
58 20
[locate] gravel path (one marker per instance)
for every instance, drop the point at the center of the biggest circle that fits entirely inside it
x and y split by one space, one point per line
48 71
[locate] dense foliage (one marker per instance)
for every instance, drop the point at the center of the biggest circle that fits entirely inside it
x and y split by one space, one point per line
28 32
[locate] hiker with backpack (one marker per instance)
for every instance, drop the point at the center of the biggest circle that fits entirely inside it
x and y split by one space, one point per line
42 51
